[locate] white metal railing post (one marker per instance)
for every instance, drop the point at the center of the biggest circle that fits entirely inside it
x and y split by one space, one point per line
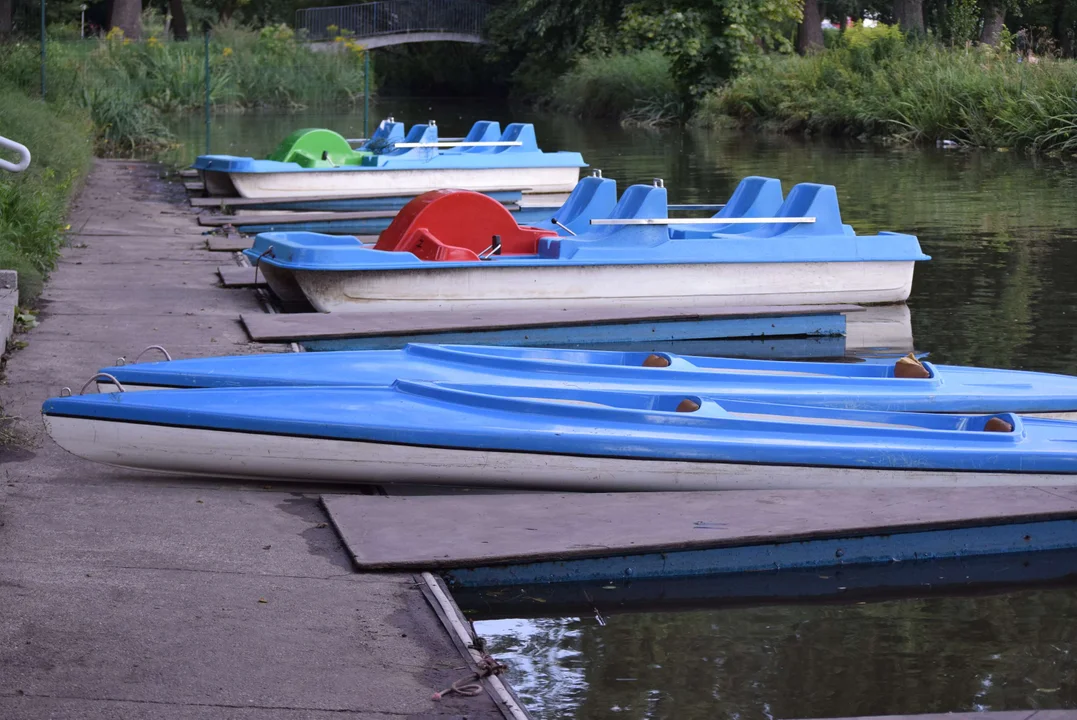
24 161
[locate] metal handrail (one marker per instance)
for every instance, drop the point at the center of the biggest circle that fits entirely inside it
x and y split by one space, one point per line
392 17
21 149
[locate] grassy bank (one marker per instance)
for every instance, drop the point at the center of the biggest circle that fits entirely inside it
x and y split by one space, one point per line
636 87
33 204
127 88
875 85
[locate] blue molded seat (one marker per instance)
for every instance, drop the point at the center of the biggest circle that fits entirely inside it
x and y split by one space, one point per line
638 201
755 196
593 197
418 134
481 131
524 133
388 132
806 200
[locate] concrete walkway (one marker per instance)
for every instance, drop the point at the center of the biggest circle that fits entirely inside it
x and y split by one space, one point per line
131 596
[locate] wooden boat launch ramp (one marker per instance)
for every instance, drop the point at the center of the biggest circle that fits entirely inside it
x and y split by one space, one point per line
486 322
497 539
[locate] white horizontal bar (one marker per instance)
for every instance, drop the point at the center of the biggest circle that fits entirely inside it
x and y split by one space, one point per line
357 141
458 144
704 221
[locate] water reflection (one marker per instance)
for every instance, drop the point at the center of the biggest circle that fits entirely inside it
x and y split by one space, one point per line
1001 228
1008 652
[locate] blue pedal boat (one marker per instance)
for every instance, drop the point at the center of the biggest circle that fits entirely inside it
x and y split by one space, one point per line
413 166
449 246
552 437
862 386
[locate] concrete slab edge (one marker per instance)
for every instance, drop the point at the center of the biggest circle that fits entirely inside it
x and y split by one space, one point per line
9 300
437 594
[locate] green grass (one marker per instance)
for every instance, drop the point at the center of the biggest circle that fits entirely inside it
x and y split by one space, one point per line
637 88
129 87
917 93
33 204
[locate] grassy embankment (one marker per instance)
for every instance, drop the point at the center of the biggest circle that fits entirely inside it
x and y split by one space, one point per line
874 84
33 204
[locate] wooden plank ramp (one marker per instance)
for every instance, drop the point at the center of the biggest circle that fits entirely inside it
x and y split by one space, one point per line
537 533
237 202
188 173
194 186
478 316
235 276
229 243
292 217
236 243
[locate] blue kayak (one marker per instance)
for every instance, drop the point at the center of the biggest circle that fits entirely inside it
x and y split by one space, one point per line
866 386
551 436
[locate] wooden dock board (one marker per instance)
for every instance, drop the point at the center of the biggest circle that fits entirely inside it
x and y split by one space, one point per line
479 316
229 243
221 201
188 173
234 276
235 243
194 186
492 529
292 217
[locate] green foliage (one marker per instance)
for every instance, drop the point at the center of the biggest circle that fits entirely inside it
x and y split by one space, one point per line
914 93
127 87
636 87
33 204
962 23
540 39
708 41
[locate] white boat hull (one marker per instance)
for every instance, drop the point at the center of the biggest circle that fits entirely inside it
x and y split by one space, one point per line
218 453
732 284
360 183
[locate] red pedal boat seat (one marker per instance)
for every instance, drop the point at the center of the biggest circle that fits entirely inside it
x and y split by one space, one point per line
455 225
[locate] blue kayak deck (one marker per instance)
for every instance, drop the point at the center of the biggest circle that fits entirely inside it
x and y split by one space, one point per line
555 537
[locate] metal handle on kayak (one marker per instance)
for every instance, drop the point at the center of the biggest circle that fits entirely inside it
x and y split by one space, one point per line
106 376
21 149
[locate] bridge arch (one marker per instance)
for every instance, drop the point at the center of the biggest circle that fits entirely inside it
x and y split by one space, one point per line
395 22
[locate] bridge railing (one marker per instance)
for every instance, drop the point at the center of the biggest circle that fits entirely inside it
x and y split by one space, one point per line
391 17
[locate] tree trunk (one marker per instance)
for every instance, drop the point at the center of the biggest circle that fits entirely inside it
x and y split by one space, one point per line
6 8
994 18
810 31
910 15
127 16
179 20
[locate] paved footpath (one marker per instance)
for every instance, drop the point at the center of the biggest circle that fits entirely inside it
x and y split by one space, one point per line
125 595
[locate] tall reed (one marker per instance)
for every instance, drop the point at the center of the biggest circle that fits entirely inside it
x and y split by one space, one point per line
635 87
128 87
916 93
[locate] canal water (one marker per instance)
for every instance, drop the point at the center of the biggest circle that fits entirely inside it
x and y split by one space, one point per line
1000 290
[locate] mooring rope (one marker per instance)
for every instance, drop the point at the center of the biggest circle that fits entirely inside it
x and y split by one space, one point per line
471 685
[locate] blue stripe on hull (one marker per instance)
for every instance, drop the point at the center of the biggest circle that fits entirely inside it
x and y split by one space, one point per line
798 325
982 540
